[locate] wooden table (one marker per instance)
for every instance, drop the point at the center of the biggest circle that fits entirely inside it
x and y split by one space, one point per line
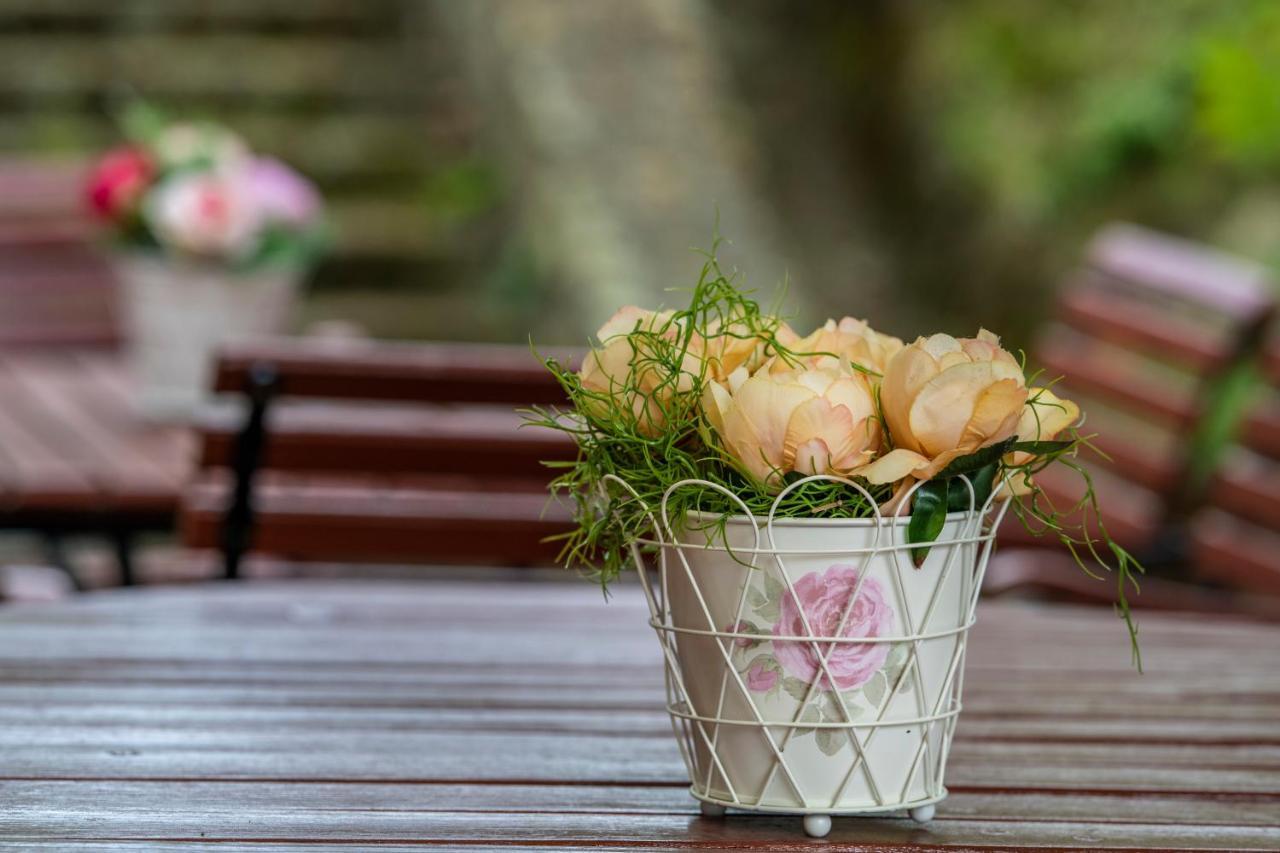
519 715
76 457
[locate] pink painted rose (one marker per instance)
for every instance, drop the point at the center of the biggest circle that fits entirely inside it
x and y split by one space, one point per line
760 679
740 628
824 597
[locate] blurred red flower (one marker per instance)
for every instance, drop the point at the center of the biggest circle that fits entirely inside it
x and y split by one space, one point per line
118 181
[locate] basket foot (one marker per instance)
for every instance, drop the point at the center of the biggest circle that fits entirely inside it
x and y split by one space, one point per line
712 810
923 814
817 825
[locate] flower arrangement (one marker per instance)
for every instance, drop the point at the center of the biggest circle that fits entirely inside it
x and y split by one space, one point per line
726 392
194 191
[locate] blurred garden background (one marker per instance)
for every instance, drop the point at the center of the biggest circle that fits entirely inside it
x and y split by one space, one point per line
497 168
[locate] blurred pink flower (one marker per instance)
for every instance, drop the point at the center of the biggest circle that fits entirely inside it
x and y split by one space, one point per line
760 679
824 597
204 213
282 195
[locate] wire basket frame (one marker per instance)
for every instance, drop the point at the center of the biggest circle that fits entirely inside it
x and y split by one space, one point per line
810 666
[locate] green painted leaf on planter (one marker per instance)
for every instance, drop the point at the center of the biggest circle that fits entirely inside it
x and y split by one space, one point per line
875 689
831 741
774 589
811 714
928 515
769 611
796 688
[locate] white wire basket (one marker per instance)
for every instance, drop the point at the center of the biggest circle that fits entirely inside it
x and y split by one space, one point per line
811 667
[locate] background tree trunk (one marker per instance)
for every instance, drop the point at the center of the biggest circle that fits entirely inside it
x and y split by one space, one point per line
614 125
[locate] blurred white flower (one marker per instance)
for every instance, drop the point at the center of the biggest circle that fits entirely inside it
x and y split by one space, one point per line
200 145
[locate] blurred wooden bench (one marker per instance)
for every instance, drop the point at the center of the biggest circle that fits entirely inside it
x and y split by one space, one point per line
56 288
357 451
1142 335
1236 539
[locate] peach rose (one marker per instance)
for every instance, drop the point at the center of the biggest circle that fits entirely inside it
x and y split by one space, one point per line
849 339
943 398
624 368
813 421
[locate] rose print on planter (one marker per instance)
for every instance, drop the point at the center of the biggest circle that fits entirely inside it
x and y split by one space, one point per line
771 667
824 599
760 679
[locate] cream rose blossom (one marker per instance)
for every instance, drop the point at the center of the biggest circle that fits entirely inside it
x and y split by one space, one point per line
943 398
812 421
623 373
628 366
850 339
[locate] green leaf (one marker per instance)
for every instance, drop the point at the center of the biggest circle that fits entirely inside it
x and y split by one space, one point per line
774 589
982 481
1040 448
769 611
811 714
927 518
831 707
831 741
875 689
797 688
978 459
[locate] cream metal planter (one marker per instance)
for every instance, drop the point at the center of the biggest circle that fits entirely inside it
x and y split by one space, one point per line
811 668
177 314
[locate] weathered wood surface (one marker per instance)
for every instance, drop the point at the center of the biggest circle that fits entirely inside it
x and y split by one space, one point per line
528 716
73 446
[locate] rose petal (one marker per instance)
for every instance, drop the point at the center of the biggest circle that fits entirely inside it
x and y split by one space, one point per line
906 373
996 415
1045 415
818 434
715 401
623 322
945 404
755 425
892 467
939 345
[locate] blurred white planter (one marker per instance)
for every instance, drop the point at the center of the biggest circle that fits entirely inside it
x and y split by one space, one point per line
754 639
176 315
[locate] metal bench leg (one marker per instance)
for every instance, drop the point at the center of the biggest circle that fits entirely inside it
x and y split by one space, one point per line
122 541
237 524
56 553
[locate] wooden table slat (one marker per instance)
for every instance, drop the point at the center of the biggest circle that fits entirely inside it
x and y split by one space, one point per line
516 715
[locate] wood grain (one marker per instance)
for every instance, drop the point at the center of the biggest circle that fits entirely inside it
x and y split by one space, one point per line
73 447
523 716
